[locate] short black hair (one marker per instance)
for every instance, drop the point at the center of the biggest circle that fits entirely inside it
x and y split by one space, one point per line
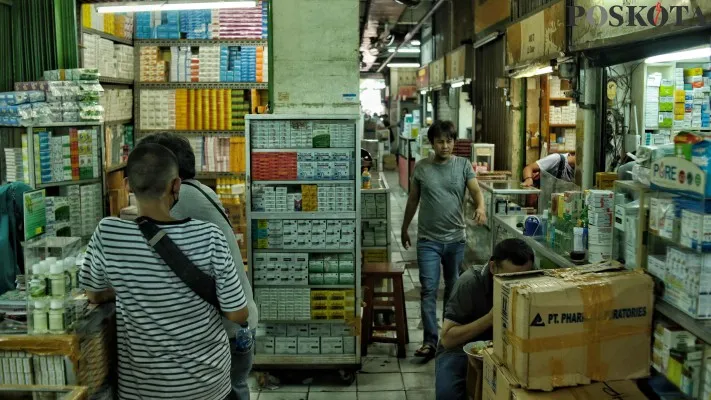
180 146
515 250
150 170
442 128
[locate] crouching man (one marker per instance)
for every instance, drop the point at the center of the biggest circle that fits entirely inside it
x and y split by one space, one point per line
469 315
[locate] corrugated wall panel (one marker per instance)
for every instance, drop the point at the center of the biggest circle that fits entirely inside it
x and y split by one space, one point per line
5 48
522 8
490 102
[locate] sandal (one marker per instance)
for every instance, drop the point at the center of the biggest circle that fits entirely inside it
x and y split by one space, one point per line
427 351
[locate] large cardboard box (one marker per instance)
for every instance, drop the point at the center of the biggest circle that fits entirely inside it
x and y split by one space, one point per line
557 328
500 384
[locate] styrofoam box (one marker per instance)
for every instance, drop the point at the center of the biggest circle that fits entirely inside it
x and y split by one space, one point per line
332 345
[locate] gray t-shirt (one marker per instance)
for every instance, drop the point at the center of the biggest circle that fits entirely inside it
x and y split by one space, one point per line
193 204
471 299
551 164
443 189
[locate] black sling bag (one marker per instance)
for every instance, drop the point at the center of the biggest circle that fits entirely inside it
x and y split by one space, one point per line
199 282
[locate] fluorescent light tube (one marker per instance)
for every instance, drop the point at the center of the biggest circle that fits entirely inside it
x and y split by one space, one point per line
680 55
404 65
423 92
405 50
457 84
415 42
168 6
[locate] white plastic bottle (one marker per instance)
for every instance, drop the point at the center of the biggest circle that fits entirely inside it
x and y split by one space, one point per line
57 280
37 286
56 316
39 317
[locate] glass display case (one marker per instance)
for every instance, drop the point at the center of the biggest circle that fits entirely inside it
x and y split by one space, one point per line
629 244
505 198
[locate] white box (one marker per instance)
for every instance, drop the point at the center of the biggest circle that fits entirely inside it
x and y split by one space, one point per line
309 345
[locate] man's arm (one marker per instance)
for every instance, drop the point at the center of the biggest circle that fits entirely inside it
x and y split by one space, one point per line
529 171
104 296
413 199
475 192
455 335
227 283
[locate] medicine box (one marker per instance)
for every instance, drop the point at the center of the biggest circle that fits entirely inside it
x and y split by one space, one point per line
264 345
308 345
285 345
332 345
317 330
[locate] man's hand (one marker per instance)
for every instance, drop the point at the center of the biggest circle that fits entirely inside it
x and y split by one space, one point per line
528 182
480 216
405 238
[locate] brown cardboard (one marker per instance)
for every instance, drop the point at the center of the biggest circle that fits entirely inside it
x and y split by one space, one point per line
497 380
558 328
613 390
474 377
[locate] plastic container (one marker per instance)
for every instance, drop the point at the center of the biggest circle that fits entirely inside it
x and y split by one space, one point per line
56 316
72 272
40 317
37 286
57 279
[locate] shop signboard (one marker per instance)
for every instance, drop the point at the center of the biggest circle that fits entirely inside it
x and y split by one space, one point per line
437 73
456 63
423 77
488 13
598 23
679 175
540 37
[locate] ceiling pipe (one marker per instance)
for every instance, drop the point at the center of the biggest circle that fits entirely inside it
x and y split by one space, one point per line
412 33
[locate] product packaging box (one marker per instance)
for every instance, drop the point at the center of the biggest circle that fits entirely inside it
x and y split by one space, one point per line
557 328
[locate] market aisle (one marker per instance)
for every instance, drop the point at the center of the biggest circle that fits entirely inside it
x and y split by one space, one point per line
382 376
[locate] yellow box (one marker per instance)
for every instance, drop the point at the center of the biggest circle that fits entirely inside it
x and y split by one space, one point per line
336 295
336 314
319 314
319 304
319 295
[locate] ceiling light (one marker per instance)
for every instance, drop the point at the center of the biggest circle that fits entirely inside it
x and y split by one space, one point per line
457 84
404 65
171 6
680 55
405 50
423 92
415 42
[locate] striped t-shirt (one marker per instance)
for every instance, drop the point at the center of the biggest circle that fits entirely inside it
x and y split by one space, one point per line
171 343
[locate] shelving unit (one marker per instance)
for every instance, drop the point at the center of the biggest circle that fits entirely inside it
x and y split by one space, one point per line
108 36
202 85
199 42
380 192
329 325
548 129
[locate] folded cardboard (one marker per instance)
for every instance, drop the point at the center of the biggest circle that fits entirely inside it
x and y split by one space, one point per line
557 328
500 384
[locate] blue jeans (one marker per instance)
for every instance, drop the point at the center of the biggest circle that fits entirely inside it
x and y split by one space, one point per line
430 255
241 366
451 376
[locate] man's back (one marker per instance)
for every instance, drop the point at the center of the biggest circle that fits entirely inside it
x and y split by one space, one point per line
171 343
194 204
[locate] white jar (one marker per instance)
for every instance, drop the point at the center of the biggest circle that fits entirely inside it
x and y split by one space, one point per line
37 285
57 280
56 316
39 317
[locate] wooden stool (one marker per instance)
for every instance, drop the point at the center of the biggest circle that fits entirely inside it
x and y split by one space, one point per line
372 274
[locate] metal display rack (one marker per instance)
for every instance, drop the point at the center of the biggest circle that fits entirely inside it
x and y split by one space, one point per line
349 360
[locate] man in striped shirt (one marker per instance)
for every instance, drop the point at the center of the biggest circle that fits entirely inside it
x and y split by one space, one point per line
171 343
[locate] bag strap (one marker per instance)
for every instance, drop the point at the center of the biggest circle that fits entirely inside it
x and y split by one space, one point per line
217 206
561 166
199 282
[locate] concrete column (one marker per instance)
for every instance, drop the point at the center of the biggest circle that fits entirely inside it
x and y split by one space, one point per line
316 63
587 129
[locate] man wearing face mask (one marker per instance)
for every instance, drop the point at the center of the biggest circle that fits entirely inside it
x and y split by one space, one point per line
200 202
171 343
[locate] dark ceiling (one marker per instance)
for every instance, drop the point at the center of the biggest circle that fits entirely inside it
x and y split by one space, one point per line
383 24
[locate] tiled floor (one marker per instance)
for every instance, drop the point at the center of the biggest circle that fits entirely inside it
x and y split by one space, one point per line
382 376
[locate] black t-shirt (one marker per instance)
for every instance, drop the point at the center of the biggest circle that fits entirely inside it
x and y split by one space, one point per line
471 299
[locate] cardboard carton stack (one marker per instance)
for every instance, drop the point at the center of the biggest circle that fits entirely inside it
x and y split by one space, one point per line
557 329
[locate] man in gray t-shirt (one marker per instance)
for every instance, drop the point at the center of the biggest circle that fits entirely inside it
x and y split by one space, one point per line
468 316
439 186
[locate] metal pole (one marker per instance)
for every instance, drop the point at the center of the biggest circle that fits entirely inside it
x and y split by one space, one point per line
412 33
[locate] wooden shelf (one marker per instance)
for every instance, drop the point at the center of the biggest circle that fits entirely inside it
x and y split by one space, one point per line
562 125
561 99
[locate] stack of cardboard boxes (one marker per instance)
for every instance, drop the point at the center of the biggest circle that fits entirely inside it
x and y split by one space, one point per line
557 329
